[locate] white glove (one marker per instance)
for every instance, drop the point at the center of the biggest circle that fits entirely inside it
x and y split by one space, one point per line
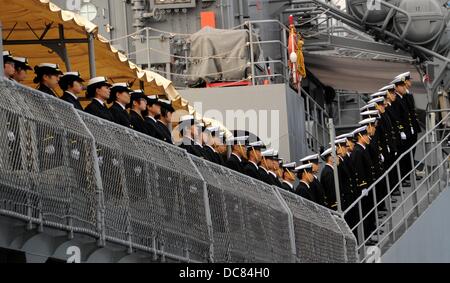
388 149
403 135
382 157
412 130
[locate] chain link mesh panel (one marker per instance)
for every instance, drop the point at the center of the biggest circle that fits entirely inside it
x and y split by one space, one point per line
249 223
318 238
68 169
350 240
153 198
53 151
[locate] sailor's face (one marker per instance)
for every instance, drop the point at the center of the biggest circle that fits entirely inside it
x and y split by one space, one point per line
78 88
9 69
401 89
391 96
124 97
20 75
51 80
104 92
408 84
350 145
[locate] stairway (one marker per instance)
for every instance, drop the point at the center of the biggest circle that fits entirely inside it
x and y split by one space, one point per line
428 179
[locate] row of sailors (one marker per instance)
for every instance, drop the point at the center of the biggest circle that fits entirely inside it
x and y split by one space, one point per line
148 114
389 128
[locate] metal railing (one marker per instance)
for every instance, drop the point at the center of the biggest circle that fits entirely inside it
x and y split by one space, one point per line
343 97
316 130
404 203
65 169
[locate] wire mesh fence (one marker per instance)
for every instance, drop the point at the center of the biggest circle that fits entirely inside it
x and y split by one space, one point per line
66 169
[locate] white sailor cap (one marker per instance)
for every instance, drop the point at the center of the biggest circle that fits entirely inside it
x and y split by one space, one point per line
73 74
326 153
406 76
240 140
341 141
368 121
7 56
290 166
212 129
388 87
121 85
256 145
314 158
152 97
304 167
371 114
361 130
368 107
398 80
23 62
377 100
378 94
98 80
345 136
186 118
49 65
269 153
165 101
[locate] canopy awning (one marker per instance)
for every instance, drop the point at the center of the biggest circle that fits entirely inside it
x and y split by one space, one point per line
39 30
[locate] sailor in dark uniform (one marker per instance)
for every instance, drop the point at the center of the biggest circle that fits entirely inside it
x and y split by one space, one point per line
327 179
8 65
254 158
152 115
21 67
209 144
306 177
138 105
47 78
406 77
289 173
362 163
72 85
164 122
98 90
238 156
120 98
404 124
344 173
189 129
316 187
265 166
220 145
274 171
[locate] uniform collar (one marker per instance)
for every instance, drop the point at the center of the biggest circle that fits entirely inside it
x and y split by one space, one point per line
151 117
348 154
398 94
212 148
361 145
120 104
273 174
301 181
73 95
264 169
253 164
289 184
99 101
240 160
329 165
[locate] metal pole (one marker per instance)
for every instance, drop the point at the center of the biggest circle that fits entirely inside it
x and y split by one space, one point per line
148 49
2 71
65 54
91 47
252 62
336 177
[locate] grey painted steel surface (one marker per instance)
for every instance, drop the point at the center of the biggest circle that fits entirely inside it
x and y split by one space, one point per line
71 179
428 240
287 134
